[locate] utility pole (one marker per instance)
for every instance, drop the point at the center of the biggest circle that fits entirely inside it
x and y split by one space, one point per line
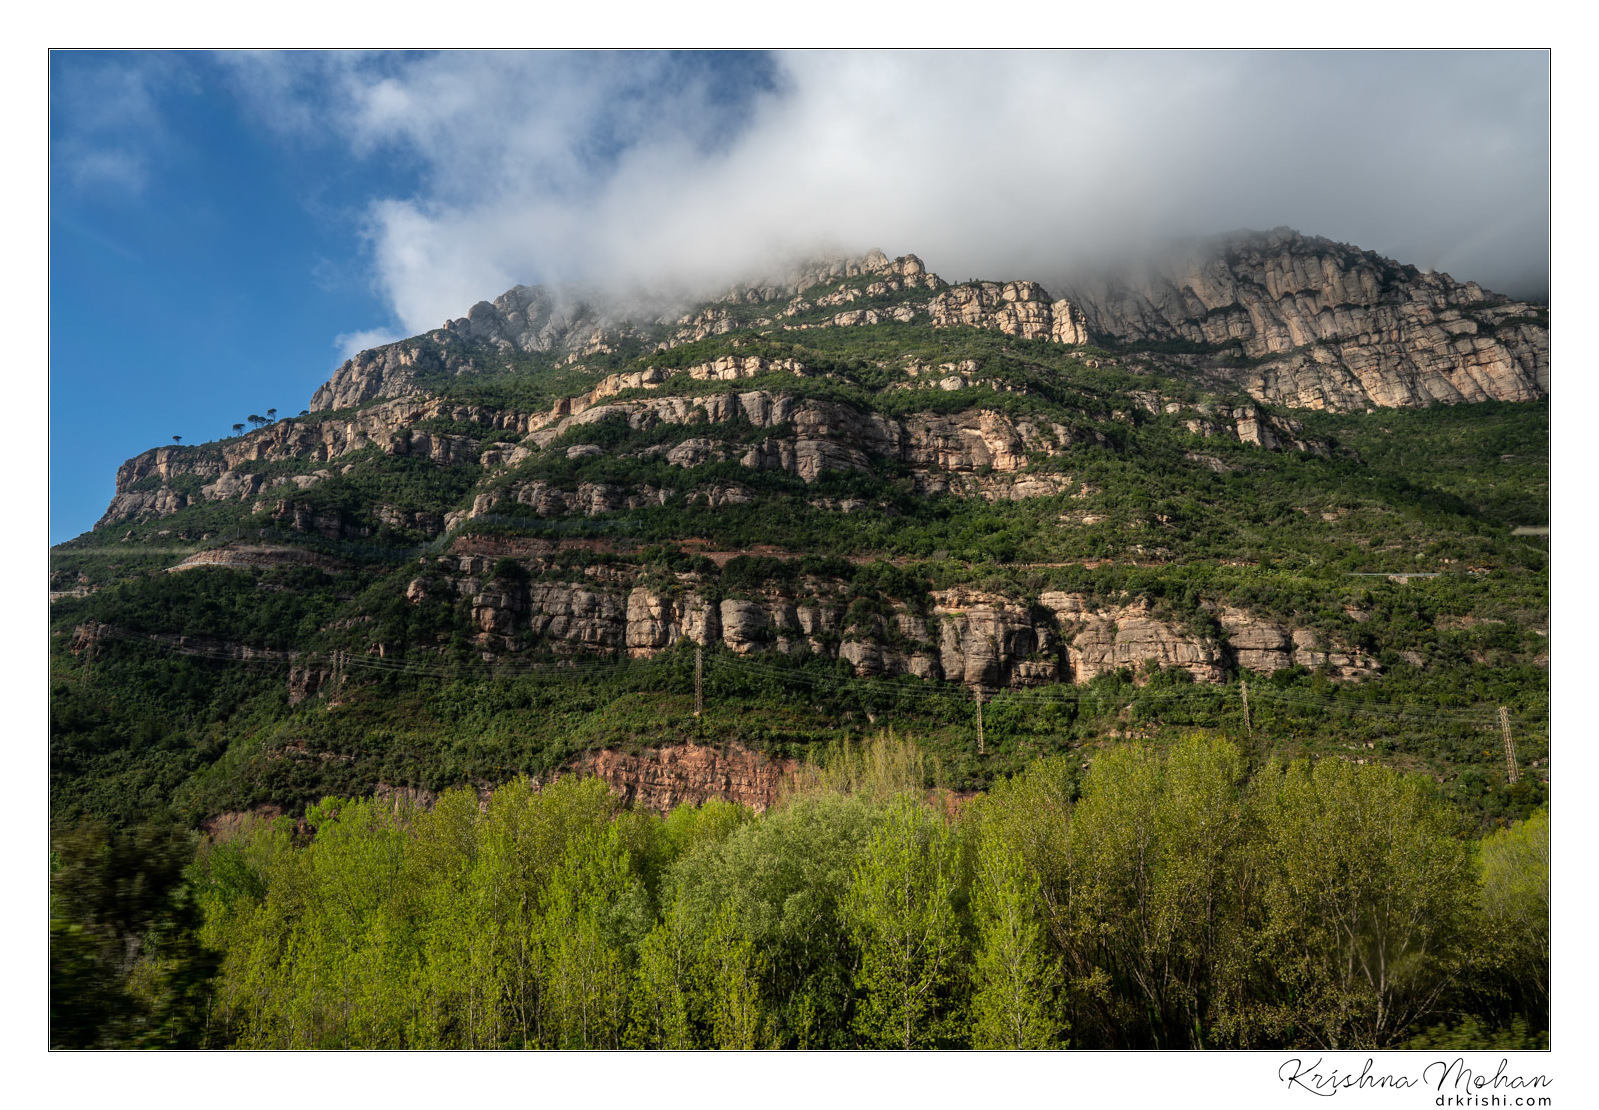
1244 685
1511 774
979 720
699 681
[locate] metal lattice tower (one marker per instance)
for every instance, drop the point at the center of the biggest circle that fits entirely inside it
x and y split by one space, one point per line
699 680
1511 773
979 722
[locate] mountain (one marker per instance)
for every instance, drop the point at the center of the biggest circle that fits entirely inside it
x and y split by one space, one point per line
1310 323
875 497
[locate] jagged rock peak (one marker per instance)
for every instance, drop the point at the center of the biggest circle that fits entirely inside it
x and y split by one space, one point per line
800 276
525 318
1326 324
1172 295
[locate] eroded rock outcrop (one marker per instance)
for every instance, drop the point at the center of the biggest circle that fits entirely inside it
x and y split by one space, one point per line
228 469
1020 308
1329 326
829 435
965 635
256 555
690 774
381 372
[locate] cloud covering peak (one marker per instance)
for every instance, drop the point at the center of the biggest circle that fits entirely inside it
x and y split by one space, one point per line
650 171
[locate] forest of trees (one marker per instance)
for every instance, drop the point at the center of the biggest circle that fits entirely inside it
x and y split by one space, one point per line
1163 898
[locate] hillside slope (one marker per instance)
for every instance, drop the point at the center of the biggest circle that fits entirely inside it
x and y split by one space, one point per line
877 497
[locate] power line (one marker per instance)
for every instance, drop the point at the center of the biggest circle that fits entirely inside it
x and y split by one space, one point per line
923 691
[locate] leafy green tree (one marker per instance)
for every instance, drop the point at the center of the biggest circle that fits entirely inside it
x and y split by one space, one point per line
1158 896
1015 980
127 965
453 927
901 915
586 917
786 875
731 981
1364 925
1515 901
1176 902
665 990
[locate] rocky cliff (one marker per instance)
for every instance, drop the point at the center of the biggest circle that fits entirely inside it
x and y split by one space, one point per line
689 774
1303 322
1325 325
971 636
980 452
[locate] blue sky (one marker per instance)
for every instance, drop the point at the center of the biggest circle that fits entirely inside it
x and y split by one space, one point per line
211 250
224 229
200 266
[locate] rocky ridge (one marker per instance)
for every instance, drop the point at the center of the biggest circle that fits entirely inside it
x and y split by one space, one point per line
980 452
1304 323
1325 325
964 635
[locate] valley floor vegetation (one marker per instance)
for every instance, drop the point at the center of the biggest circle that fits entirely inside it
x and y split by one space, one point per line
1168 897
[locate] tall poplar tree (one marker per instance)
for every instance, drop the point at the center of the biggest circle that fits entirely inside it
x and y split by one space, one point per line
900 912
732 985
1014 1003
585 987
1365 913
663 998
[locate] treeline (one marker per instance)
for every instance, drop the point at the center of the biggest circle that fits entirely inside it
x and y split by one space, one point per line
1174 902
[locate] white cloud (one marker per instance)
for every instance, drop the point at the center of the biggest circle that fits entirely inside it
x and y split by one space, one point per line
351 342
642 169
105 122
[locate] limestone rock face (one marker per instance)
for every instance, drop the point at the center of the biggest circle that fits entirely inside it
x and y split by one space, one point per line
693 452
582 617
966 635
743 625
641 621
829 435
1334 327
445 450
904 272
307 682
256 555
226 468
982 638
1132 640
650 621
428 523
1020 308
374 374
131 504
1257 645
308 519
1105 639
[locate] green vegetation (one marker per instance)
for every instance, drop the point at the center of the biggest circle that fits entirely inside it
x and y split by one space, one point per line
1175 900
853 914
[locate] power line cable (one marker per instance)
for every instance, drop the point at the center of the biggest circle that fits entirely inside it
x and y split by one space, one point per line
877 687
